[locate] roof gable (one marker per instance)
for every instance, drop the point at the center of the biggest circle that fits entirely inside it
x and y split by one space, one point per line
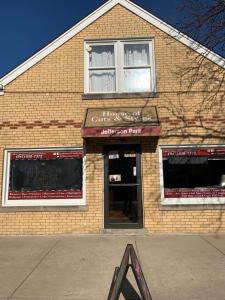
171 31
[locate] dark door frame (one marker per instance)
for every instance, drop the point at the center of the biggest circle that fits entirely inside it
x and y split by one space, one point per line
107 224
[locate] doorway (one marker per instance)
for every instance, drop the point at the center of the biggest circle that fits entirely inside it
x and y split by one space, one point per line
123 191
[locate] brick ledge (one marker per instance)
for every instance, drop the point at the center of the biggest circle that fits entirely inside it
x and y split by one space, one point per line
78 208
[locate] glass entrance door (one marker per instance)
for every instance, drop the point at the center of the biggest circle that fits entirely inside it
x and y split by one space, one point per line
123 203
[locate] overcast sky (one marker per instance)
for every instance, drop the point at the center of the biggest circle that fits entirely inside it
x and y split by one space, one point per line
26 26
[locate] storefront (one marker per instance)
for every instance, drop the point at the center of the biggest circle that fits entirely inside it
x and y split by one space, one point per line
97 132
123 206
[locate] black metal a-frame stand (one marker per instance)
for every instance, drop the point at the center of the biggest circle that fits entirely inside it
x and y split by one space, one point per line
129 260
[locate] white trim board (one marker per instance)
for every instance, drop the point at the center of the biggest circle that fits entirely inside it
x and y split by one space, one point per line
217 59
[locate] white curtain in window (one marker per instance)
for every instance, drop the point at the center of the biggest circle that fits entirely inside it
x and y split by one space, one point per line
102 56
136 54
102 81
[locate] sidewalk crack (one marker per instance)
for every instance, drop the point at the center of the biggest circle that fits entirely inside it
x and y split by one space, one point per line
212 245
34 268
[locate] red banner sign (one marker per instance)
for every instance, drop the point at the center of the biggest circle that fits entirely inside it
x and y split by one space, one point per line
121 131
36 155
194 193
46 195
193 152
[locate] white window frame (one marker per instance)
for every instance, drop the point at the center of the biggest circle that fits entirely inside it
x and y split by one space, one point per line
186 201
119 64
40 202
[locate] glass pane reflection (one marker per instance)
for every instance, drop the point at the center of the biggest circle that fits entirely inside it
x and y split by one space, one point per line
137 80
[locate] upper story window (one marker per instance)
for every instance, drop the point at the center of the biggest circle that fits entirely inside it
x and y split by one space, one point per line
122 66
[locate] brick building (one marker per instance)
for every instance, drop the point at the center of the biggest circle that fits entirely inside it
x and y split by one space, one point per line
105 128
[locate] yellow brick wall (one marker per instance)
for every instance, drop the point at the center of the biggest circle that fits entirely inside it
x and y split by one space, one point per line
44 108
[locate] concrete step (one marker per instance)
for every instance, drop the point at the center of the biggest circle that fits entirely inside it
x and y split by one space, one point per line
141 231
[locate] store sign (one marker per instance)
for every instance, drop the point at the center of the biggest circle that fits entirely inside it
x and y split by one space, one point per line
45 155
129 260
114 122
192 152
194 193
64 194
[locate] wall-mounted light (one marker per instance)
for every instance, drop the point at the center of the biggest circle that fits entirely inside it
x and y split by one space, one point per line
88 48
1 89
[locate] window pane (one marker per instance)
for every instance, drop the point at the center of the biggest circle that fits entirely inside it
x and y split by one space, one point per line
137 80
123 206
102 56
136 54
47 177
57 174
102 81
193 173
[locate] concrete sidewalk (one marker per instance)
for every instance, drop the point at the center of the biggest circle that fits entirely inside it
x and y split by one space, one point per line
176 267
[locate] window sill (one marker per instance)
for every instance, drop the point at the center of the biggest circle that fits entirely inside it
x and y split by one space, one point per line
186 207
193 201
78 208
92 96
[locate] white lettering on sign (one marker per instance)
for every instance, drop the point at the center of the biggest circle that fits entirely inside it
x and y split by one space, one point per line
110 131
100 119
121 116
28 156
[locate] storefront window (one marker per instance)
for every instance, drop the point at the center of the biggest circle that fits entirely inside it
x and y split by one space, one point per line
46 177
193 175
